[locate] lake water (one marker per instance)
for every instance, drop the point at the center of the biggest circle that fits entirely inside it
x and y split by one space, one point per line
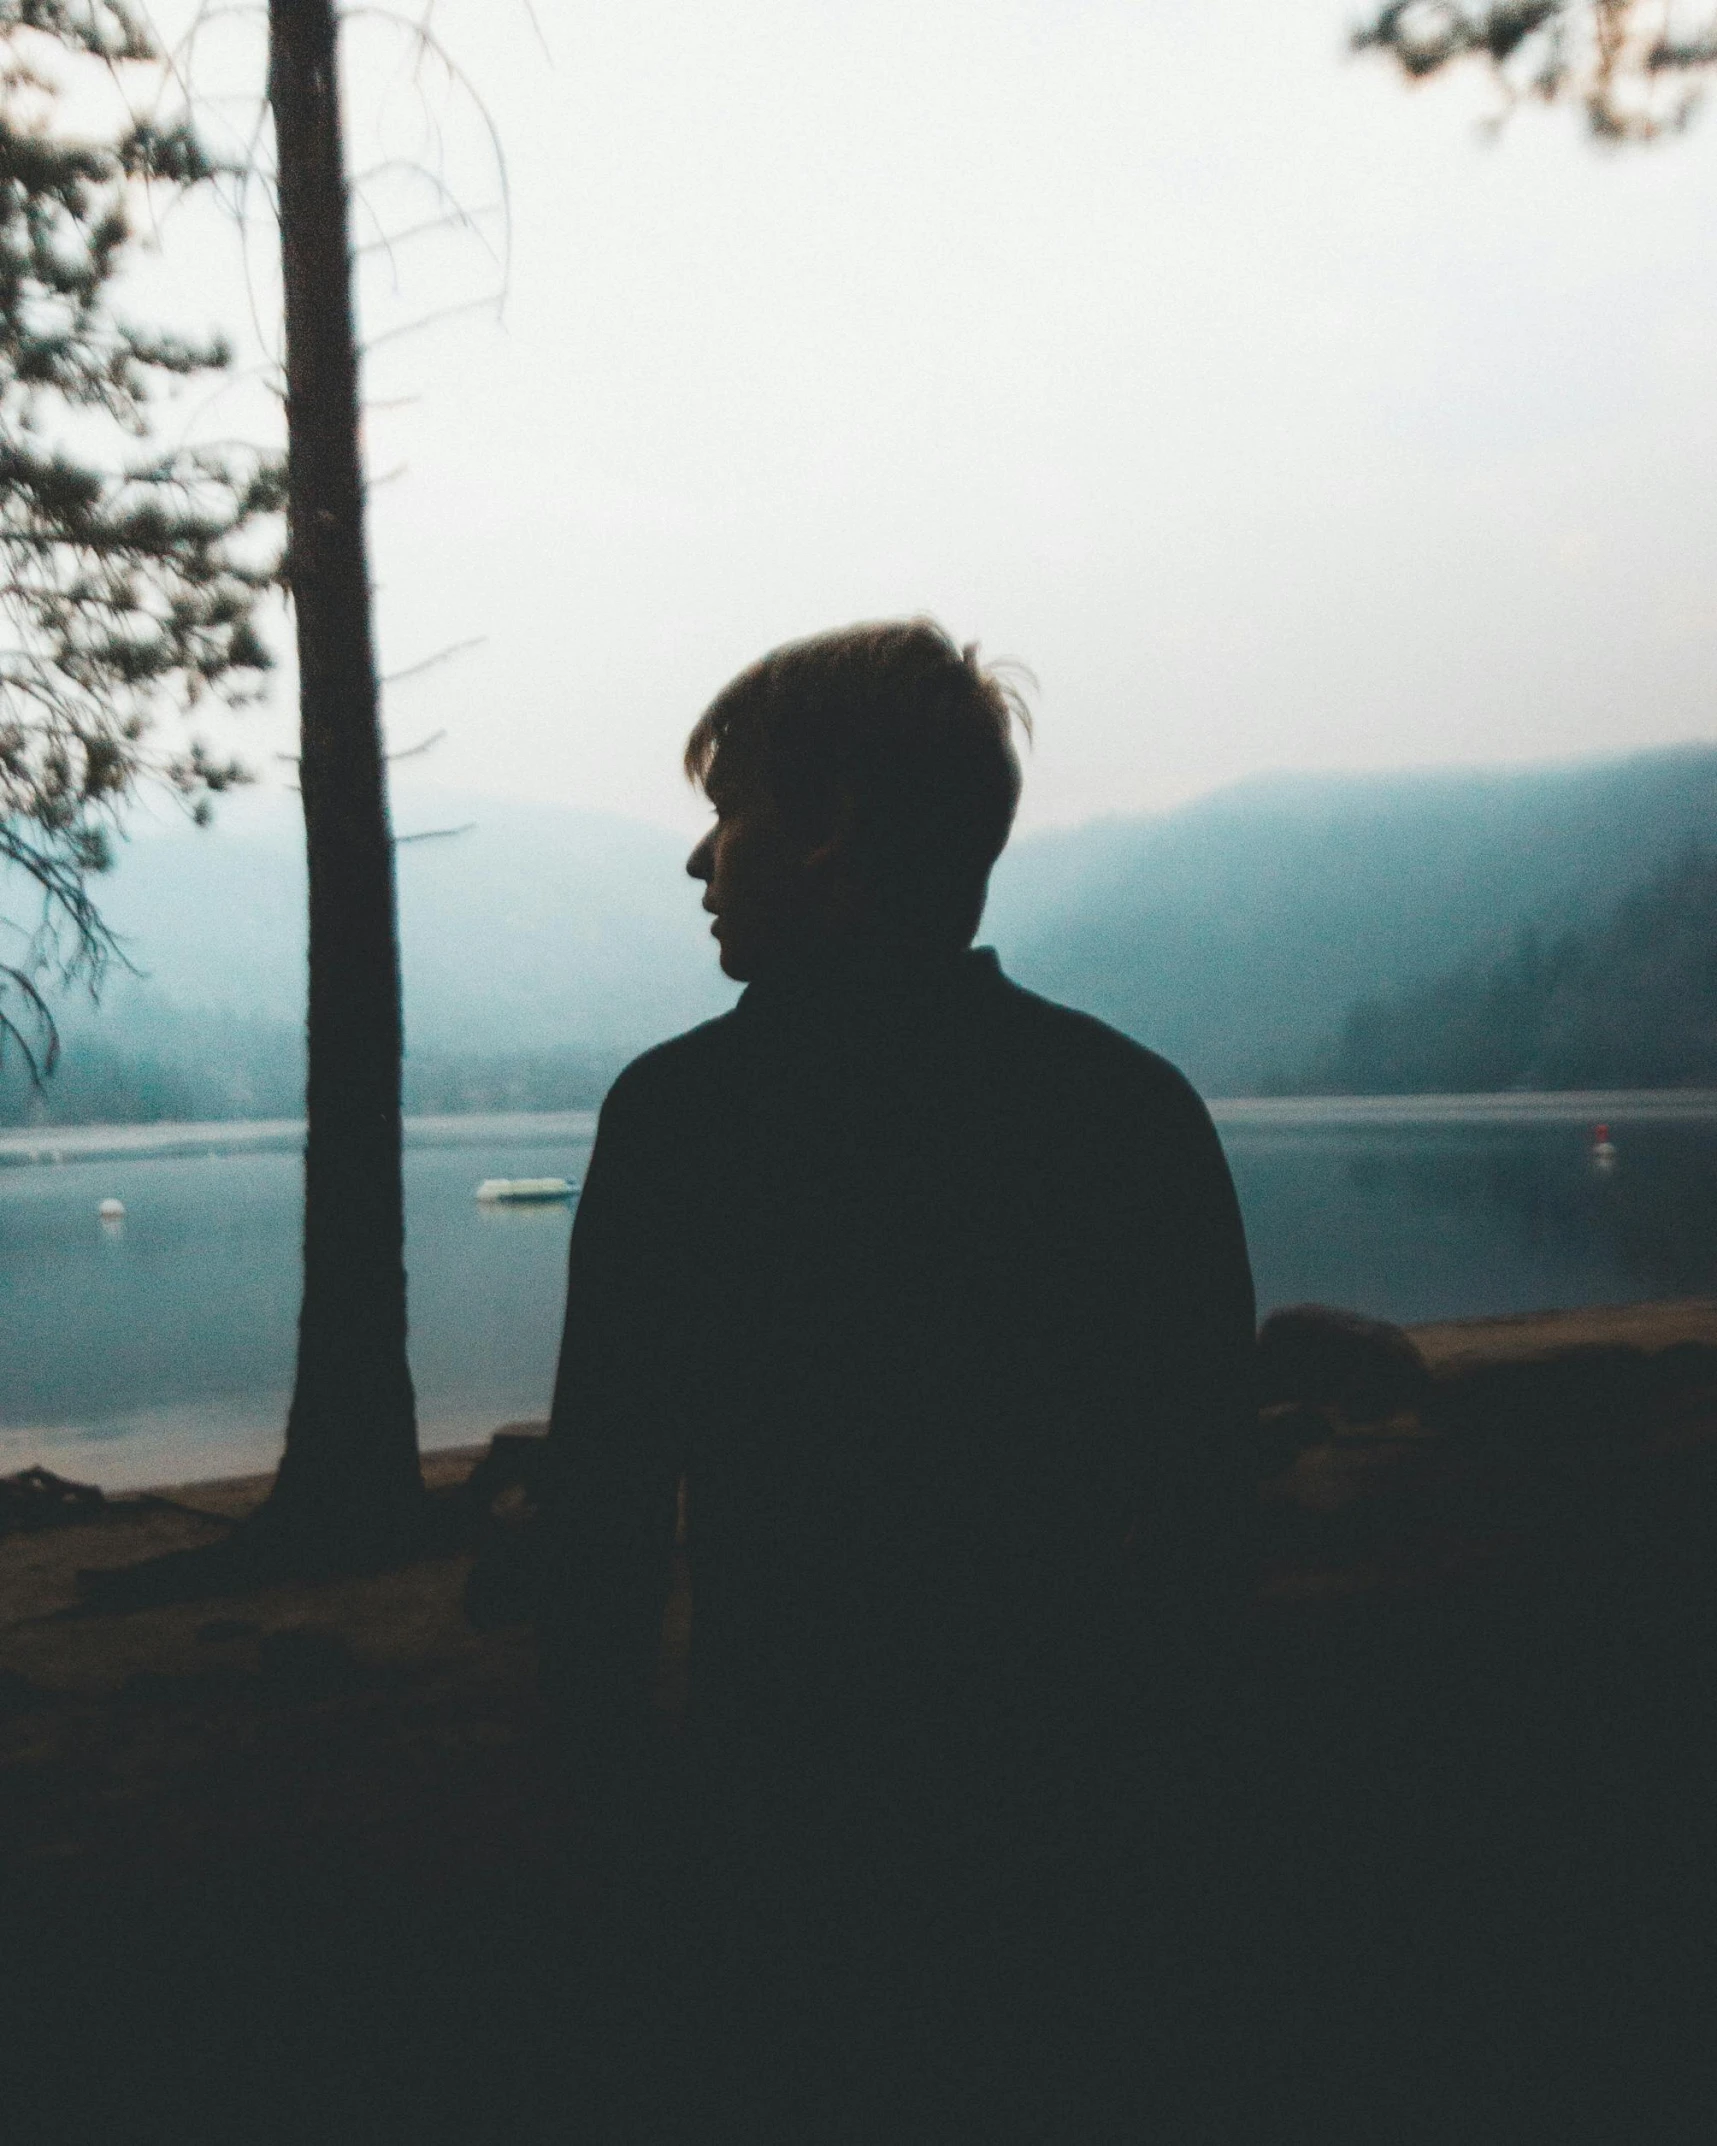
159 1348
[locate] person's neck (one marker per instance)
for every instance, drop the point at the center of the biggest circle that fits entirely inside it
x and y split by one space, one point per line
839 966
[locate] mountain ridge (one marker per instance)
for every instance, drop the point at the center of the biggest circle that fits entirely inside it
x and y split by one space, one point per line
1235 933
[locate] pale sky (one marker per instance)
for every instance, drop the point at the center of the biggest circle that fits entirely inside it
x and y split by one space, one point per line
1271 415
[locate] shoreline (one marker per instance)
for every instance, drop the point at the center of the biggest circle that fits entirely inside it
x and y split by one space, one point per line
1447 1345
1650 1324
53 1145
1336 1470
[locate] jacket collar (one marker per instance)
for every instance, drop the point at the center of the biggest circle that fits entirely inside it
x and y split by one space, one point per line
869 982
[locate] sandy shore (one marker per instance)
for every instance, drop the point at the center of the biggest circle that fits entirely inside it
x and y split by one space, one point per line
1455 1344
402 1617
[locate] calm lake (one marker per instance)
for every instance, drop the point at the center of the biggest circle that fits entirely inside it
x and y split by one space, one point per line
159 1348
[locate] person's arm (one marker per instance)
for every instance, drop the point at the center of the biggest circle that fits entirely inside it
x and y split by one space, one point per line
1194 1528
613 1450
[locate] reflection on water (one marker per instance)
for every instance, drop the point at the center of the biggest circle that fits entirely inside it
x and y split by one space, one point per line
160 1346
1442 1221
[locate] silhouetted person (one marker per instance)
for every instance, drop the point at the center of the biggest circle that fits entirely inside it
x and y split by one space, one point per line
936 1295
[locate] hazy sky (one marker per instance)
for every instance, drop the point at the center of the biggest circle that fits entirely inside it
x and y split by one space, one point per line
1261 407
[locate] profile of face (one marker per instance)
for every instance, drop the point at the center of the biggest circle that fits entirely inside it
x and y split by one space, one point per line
774 897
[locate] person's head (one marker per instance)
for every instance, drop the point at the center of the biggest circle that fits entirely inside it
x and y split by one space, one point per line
864 782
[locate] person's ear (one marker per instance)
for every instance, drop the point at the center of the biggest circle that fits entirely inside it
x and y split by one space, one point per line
830 867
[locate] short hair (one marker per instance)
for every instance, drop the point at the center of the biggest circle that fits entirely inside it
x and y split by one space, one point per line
895 724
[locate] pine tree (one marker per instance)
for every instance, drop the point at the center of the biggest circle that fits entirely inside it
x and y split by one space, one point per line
351 1462
130 574
1635 68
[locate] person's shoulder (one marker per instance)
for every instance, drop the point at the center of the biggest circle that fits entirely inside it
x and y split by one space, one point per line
668 1071
1092 1053
1111 1100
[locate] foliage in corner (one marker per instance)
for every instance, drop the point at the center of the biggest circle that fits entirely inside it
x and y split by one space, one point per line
1636 68
130 574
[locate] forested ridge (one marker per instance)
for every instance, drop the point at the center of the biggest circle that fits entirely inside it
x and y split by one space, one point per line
238 1070
1465 929
1630 1004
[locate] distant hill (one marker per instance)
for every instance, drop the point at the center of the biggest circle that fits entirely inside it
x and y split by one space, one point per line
545 945
1235 934
1631 1004
537 927
541 947
159 1063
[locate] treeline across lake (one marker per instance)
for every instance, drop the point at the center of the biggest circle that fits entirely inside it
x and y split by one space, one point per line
1238 934
1630 1003
144 1062
222 1070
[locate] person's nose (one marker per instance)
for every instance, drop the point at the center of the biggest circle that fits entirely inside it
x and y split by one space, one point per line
701 863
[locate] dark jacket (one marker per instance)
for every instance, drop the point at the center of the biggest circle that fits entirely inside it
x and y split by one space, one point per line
937 1296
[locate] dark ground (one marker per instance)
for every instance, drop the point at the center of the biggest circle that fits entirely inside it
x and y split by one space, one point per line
294 1865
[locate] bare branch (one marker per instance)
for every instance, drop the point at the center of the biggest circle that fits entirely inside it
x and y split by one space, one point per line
433 834
428 320
428 663
537 28
453 220
429 45
412 752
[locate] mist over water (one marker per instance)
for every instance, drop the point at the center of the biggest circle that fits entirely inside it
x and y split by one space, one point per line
160 1348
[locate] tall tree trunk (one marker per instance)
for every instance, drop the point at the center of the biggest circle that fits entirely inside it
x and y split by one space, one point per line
351 1435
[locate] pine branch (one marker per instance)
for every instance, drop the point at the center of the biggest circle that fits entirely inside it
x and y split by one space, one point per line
1634 71
130 577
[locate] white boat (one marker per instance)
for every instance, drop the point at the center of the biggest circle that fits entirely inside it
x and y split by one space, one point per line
525 1188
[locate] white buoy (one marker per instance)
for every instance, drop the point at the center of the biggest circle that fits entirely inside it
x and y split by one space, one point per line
112 1210
524 1189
